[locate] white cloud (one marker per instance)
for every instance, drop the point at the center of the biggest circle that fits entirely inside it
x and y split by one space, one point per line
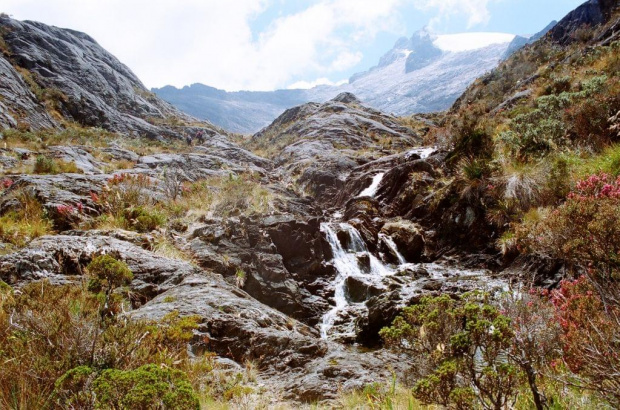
181 42
476 11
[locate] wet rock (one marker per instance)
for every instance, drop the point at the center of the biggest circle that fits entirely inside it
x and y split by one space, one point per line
431 284
382 310
363 261
408 237
358 290
416 272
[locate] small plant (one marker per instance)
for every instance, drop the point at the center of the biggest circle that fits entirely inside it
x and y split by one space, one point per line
142 219
45 165
240 277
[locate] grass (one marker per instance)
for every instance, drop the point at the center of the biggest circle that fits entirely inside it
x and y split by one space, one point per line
46 165
26 222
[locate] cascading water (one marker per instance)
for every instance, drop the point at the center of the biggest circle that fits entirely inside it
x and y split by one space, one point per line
372 189
389 242
346 263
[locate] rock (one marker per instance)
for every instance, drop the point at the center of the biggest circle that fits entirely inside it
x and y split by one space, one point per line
358 290
408 237
415 272
363 261
52 191
119 153
431 284
382 310
81 158
323 140
62 259
85 83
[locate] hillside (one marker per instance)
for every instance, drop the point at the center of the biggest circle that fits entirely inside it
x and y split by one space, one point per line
341 257
57 75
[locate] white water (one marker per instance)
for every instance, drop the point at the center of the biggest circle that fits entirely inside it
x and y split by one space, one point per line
389 242
347 264
372 189
423 152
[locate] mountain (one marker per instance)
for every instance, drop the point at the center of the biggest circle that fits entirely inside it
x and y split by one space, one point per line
54 75
424 73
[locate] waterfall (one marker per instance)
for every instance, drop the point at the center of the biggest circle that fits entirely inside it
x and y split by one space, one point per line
389 242
423 152
372 189
346 263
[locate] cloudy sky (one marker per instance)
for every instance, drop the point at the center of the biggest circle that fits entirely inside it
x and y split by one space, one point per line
270 44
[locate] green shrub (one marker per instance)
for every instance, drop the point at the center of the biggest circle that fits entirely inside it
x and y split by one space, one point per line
146 387
108 273
460 346
45 165
142 219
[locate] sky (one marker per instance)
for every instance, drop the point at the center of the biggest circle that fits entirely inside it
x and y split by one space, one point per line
262 45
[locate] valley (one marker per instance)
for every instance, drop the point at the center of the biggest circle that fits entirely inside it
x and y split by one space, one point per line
340 257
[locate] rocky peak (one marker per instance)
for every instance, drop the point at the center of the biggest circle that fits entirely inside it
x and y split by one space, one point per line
72 77
590 14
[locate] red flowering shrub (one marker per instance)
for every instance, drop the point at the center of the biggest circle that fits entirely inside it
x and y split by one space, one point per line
584 231
6 183
590 336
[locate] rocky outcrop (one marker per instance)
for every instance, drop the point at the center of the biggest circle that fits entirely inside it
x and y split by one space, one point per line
590 14
277 260
325 142
79 80
18 105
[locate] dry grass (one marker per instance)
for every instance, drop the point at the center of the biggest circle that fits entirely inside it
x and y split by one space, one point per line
26 222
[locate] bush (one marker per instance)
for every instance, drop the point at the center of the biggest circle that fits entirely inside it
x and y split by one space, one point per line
460 347
45 165
142 219
149 386
48 334
26 221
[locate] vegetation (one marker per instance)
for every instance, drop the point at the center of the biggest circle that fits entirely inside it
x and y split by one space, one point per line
26 221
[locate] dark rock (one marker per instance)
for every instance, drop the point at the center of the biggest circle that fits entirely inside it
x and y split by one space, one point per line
382 310
590 14
408 237
358 290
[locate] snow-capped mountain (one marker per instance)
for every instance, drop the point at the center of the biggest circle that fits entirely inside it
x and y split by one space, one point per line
424 73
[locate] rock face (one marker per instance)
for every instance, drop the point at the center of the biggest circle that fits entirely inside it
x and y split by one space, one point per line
24 107
79 80
324 142
591 14
232 324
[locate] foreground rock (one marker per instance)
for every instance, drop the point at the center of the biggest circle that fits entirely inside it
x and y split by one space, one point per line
234 325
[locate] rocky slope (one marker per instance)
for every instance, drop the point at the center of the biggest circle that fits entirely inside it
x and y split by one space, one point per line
294 251
56 75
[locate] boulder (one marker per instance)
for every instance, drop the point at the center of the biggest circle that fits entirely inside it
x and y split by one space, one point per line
408 237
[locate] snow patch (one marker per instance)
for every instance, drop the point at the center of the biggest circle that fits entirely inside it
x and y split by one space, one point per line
470 41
